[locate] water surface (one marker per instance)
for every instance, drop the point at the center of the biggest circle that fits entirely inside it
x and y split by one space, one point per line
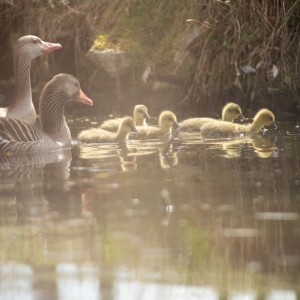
207 220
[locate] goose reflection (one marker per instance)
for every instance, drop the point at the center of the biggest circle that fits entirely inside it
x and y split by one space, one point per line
23 178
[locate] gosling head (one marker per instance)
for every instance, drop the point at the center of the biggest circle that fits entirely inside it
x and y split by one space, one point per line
140 113
263 117
31 46
167 120
127 125
231 111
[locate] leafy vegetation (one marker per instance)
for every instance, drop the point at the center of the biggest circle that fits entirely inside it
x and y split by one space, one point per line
217 49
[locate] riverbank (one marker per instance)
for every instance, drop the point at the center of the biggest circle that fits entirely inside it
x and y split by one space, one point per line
190 56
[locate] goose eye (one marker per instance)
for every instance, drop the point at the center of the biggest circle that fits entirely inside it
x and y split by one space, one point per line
35 41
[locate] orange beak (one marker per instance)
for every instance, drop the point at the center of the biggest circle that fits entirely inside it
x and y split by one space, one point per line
84 99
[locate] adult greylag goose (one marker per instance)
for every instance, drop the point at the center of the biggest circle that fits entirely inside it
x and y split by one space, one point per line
98 135
230 112
25 50
20 136
166 121
221 129
140 115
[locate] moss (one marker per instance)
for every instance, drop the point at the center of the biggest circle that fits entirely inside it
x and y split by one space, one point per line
102 42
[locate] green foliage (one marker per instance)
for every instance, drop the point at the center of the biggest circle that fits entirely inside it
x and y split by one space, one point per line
232 34
102 42
197 244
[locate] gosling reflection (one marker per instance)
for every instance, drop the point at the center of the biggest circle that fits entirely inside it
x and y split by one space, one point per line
263 147
112 157
127 161
168 160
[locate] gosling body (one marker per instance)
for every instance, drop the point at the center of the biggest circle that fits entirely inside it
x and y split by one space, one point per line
140 115
230 112
166 121
222 129
99 135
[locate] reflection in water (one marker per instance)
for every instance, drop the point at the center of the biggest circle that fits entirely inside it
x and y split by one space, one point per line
86 282
16 282
26 174
76 282
213 220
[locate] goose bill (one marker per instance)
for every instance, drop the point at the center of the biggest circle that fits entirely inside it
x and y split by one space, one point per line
49 47
83 98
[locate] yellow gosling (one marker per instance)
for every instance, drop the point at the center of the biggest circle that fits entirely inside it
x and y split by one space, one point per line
140 115
98 135
166 120
230 112
222 129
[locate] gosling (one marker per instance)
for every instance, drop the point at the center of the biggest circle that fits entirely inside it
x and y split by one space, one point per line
140 115
99 135
221 129
166 121
230 112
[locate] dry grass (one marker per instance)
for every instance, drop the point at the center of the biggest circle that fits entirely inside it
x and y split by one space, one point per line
263 35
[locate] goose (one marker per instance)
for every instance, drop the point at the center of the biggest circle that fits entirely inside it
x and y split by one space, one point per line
230 112
222 129
98 135
140 115
167 120
25 50
20 136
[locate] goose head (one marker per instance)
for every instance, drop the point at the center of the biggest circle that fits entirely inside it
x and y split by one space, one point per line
127 125
167 120
31 46
60 89
140 113
231 111
263 117
68 87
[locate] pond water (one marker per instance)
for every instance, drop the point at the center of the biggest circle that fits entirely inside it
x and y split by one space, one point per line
208 220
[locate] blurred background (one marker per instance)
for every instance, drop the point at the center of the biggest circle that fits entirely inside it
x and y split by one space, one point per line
188 56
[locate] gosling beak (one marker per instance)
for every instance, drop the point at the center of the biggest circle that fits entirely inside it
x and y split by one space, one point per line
175 125
49 47
84 99
241 118
146 115
274 125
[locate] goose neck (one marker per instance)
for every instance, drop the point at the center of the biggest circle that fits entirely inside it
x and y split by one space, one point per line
22 80
52 116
